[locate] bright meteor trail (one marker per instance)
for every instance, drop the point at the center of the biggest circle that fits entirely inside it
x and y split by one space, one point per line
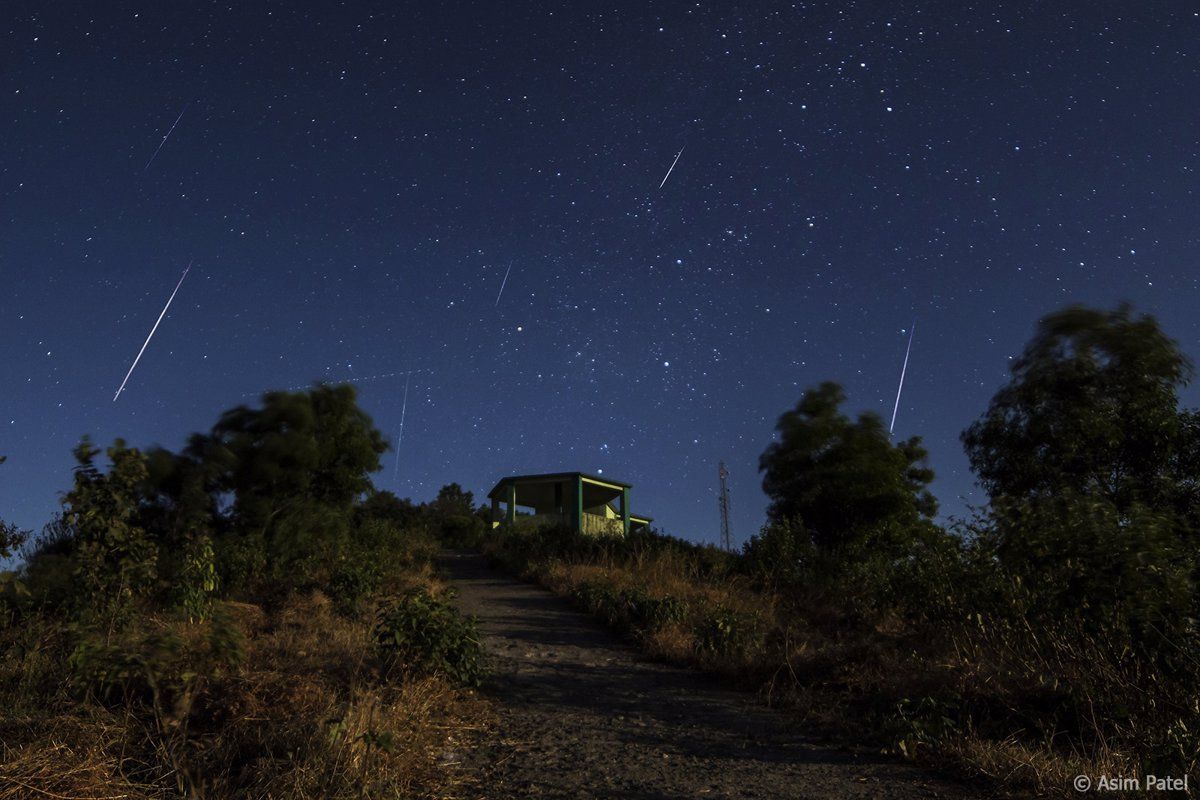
502 284
669 171
400 437
903 370
164 139
152 330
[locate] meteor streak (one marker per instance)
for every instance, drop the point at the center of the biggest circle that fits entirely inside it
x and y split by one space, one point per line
138 358
364 379
903 370
400 437
502 283
669 171
164 139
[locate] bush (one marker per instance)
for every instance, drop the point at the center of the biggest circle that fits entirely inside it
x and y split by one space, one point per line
461 531
649 613
421 634
779 553
241 563
351 582
726 632
1074 557
160 669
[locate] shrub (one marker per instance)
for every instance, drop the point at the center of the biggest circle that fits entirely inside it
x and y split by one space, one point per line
352 581
160 669
197 578
461 531
117 560
778 553
241 562
652 613
726 632
1074 557
422 634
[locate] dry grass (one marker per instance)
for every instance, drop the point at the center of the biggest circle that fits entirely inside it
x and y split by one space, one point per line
311 714
875 682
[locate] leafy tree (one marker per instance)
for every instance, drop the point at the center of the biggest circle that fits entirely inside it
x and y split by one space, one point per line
294 468
1077 556
317 444
779 553
845 480
1093 472
116 559
387 507
1092 408
454 518
452 500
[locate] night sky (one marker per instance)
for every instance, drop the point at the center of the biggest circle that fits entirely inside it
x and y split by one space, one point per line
353 182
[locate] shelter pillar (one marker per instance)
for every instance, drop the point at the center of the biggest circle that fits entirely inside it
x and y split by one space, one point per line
579 502
512 505
625 510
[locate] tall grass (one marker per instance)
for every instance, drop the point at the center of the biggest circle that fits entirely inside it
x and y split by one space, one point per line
284 697
991 695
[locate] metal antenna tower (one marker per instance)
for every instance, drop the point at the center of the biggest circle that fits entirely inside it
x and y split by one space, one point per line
723 504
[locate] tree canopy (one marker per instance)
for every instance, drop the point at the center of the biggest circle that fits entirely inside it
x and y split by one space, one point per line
1092 407
844 479
316 446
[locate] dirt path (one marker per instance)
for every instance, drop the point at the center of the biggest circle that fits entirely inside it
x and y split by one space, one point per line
582 715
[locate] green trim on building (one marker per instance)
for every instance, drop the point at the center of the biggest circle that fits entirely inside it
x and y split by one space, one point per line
586 503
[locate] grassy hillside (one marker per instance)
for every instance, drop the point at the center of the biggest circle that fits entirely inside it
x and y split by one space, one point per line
299 695
247 618
962 682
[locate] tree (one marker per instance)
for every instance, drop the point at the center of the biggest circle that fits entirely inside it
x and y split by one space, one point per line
279 482
451 500
1092 470
1092 408
116 559
779 553
845 480
300 450
386 507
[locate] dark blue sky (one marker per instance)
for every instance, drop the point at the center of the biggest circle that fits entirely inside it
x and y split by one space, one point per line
353 181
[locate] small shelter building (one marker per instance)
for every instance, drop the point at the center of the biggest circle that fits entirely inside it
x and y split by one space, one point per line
587 503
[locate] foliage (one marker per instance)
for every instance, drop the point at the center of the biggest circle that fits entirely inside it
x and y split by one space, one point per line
454 519
421 634
451 500
48 567
1077 557
11 539
845 480
124 650
353 581
160 669
1092 408
12 588
294 468
631 609
384 506
198 579
725 631
781 552
116 558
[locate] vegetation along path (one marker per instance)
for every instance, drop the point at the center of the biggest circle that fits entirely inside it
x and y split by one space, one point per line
583 715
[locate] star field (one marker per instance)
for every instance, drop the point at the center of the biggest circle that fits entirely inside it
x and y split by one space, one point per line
354 181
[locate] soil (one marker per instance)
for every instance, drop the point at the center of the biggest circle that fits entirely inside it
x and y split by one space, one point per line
581 714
